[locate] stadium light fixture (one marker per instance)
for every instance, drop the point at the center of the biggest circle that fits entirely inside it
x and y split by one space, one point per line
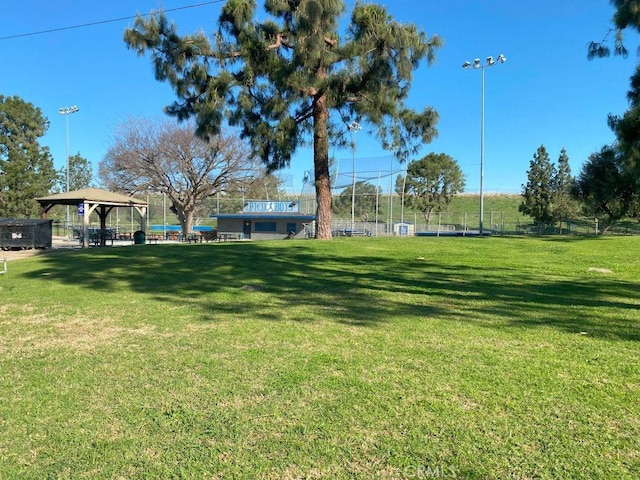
66 111
477 65
353 128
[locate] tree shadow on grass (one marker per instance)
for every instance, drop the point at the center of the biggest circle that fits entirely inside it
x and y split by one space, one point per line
269 282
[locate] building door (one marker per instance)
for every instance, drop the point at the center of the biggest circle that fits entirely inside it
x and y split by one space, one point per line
246 229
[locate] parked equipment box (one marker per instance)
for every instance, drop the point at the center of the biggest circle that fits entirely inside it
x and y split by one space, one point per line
25 233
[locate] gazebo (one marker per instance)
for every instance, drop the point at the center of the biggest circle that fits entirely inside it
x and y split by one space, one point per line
94 199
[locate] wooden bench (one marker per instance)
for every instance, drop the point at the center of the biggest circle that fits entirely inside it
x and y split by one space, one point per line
98 239
229 236
193 238
153 238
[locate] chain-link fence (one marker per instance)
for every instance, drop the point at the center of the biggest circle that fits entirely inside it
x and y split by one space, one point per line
384 215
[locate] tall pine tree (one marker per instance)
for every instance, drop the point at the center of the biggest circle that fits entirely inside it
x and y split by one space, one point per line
626 127
26 168
564 204
294 80
80 174
538 193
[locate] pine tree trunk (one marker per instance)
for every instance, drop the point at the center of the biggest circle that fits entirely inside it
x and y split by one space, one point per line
321 168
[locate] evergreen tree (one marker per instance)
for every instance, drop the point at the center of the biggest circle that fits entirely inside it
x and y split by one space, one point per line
626 127
80 174
627 131
538 193
627 15
293 80
605 189
364 204
431 183
26 168
564 204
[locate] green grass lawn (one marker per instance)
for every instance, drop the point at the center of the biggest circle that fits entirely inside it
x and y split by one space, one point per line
504 204
365 358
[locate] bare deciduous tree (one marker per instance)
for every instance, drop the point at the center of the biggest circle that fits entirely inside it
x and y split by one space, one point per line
163 157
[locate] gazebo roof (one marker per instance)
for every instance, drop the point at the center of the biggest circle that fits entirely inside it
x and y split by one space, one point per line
94 200
91 195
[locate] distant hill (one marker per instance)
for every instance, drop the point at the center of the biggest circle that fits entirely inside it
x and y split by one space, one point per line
500 204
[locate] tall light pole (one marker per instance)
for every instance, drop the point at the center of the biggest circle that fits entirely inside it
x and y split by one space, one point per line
404 186
353 128
477 65
66 111
391 231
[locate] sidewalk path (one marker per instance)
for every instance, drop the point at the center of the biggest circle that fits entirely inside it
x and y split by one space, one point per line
57 244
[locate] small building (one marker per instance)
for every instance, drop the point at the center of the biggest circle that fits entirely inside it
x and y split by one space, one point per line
266 220
404 229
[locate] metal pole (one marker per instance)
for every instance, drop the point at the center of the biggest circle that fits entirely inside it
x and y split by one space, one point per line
391 200
377 201
404 185
353 182
482 159
66 111
353 128
476 64
66 222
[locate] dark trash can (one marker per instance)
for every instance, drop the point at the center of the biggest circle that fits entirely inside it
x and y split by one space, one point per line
139 237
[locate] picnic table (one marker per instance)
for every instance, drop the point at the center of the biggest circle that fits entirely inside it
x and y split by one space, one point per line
194 238
348 232
227 236
209 235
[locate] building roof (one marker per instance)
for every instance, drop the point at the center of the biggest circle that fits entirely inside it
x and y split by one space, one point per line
266 216
93 195
23 221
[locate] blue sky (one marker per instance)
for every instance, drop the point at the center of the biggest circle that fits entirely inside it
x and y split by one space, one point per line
547 92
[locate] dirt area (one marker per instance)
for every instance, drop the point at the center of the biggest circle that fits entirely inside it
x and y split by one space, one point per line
61 243
57 243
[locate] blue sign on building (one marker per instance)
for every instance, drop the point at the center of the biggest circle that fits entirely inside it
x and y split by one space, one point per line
81 209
